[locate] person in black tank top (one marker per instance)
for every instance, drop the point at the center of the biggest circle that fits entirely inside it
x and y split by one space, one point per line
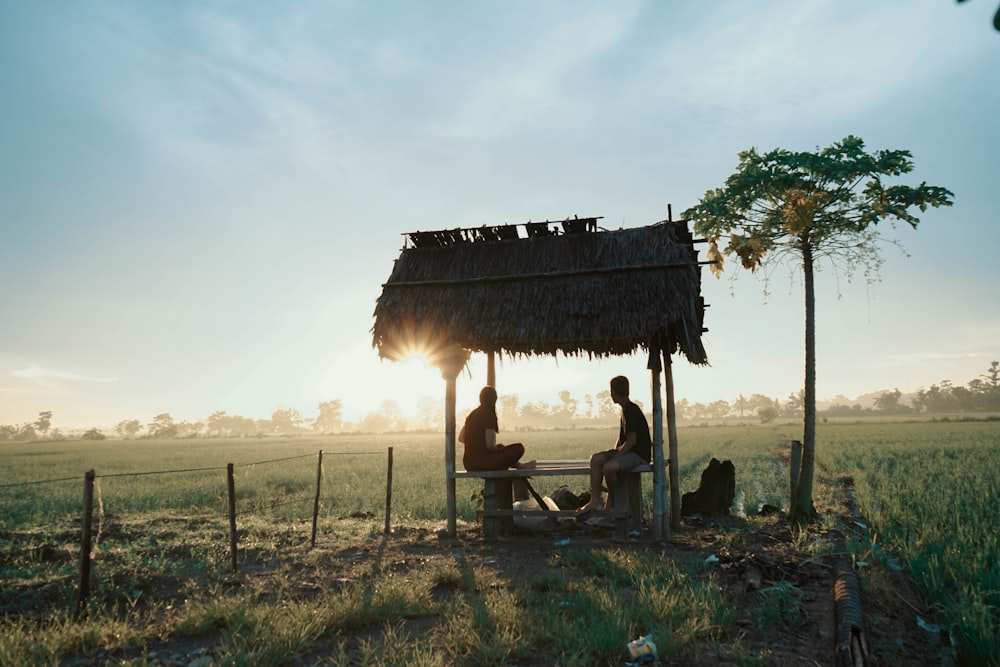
634 447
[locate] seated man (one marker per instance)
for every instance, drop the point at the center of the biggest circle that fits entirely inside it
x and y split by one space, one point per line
479 435
634 447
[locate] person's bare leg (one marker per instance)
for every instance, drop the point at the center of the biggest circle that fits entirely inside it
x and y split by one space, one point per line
611 477
527 464
508 456
596 475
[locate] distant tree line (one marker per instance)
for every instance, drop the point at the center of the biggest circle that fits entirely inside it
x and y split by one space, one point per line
978 396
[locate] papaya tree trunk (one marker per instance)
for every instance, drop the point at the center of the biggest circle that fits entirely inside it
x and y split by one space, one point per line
803 504
794 470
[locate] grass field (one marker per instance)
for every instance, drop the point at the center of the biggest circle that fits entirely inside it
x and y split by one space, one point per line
928 493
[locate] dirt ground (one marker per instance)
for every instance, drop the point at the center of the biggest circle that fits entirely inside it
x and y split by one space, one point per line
748 556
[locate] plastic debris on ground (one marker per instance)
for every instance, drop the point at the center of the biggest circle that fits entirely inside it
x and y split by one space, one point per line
642 651
928 627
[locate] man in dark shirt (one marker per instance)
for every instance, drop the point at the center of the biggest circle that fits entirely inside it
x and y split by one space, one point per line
479 435
634 447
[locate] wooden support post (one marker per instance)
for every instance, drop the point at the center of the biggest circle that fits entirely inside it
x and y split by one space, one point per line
491 369
388 494
675 489
628 501
83 592
319 481
498 494
449 453
659 483
451 365
231 483
491 524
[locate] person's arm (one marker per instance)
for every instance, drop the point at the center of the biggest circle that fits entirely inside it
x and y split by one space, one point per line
461 435
491 440
631 437
626 445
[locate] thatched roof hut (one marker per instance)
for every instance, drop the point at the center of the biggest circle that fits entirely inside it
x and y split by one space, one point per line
598 293
557 287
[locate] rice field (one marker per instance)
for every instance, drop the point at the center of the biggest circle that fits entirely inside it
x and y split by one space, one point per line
931 495
927 492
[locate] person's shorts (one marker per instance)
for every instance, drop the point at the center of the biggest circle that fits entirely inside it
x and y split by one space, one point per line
625 461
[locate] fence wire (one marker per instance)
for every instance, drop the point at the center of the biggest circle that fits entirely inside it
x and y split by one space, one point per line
180 470
41 481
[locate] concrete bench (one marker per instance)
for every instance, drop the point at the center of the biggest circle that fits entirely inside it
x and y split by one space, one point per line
498 495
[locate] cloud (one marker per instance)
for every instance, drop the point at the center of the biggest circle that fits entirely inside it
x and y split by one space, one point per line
47 375
912 358
774 64
533 81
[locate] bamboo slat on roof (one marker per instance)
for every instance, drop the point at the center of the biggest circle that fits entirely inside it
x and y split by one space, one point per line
598 293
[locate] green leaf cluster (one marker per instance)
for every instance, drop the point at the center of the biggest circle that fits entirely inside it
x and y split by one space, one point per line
829 200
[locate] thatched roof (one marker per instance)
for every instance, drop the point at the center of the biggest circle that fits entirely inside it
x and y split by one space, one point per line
584 291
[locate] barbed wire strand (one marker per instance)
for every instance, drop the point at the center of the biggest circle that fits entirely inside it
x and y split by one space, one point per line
287 458
179 470
258 508
41 481
161 472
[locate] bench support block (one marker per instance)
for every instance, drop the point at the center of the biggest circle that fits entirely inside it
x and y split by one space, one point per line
498 495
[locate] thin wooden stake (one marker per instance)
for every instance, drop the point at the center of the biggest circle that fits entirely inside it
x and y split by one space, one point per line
83 592
319 480
232 513
388 493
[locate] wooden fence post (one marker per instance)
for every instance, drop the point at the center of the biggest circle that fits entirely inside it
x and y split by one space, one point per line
232 513
83 592
388 493
319 480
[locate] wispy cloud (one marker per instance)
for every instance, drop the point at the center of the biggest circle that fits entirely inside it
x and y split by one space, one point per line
205 88
535 78
925 357
759 61
48 375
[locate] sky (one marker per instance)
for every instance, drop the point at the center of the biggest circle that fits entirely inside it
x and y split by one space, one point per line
200 201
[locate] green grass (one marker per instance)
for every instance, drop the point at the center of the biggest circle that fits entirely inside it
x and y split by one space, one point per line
354 473
929 492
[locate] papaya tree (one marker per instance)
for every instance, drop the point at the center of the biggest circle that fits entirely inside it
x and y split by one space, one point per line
805 207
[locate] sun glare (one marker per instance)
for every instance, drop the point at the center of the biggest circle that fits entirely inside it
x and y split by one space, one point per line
416 358
414 355
413 378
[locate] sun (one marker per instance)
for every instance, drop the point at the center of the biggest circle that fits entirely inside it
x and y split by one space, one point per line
412 378
413 354
416 357
410 340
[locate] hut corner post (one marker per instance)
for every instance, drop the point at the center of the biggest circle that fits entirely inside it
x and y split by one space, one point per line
450 368
659 494
675 489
